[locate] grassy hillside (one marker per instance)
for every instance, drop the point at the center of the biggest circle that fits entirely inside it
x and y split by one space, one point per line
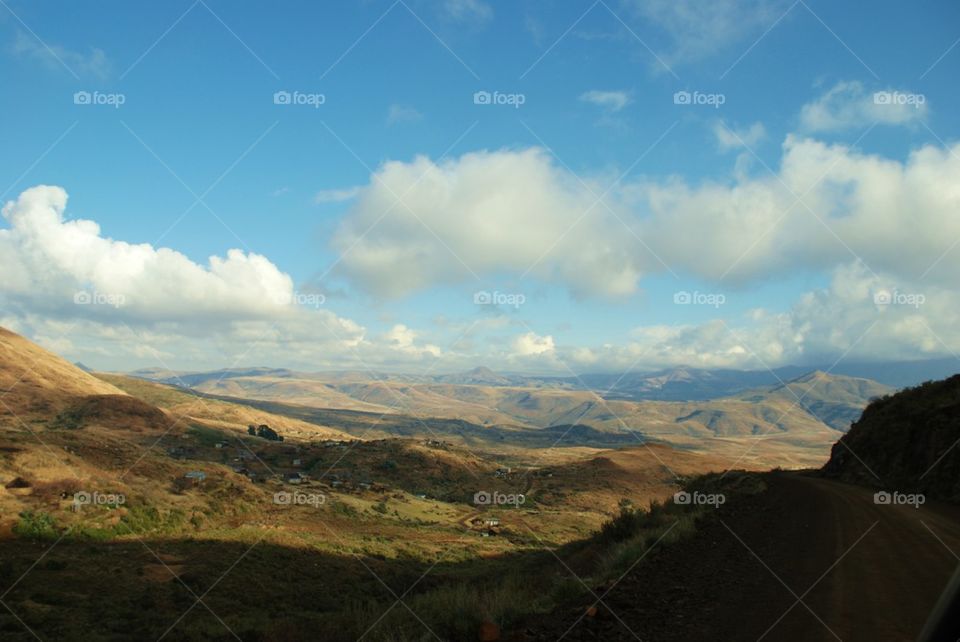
766 427
836 401
215 412
34 380
154 494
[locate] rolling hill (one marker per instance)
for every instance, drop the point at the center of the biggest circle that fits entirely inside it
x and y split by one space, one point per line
791 423
835 400
34 380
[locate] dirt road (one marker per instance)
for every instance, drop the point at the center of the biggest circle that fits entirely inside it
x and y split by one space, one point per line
808 560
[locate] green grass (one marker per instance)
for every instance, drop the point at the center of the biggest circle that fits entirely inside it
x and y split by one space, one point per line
507 591
207 437
36 525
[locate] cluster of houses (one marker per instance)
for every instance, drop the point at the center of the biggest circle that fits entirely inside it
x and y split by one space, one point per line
255 464
436 443
487 526
347 484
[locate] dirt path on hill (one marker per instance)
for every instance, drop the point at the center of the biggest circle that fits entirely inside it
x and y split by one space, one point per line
864 572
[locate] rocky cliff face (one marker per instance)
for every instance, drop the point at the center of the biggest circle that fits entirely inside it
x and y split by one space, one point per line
906 442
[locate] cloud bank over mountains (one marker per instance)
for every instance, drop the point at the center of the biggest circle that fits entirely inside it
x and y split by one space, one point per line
883 232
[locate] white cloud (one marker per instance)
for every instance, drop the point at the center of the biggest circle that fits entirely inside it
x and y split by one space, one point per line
404 339
532 344
144 305
612 101
336 195
737 138
402 114
476 11
516 212
848 105
486 211
94 63
695 30
506 212
842 319
897 217
43 255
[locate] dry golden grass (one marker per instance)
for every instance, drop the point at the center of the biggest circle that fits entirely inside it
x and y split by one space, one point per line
34 380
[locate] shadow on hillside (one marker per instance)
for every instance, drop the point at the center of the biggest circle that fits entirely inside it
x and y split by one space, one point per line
148 589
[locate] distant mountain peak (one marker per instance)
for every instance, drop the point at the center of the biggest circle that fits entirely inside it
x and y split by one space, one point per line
483 371
481 375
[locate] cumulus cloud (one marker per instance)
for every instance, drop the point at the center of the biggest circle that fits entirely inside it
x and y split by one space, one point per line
531 343
898 217
404 339
612 101
874 224
120 303
848 105
45 256
859 316
483 212
516 212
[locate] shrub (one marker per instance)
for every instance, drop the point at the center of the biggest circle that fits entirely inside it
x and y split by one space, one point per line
36 525
69 419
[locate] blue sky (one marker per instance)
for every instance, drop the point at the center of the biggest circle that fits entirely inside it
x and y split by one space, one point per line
305 187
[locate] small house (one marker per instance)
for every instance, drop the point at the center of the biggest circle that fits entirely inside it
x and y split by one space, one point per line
196 476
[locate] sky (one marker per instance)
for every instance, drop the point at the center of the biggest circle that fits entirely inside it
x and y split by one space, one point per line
550 187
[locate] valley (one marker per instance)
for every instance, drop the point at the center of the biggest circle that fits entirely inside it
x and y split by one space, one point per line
478 505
